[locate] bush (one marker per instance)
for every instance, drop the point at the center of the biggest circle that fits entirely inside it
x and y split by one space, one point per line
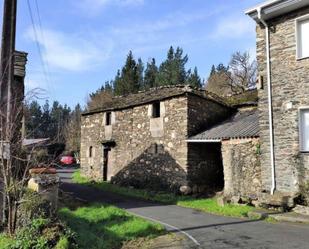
303 199
44 234
32 207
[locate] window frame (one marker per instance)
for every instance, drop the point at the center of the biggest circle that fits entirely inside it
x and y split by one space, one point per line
300 110
156 110
297 35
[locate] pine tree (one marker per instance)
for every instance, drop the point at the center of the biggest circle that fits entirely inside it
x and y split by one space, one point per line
172 71
73 130
150 74
33 117
128 80
140 73
213 70
221 68
194 79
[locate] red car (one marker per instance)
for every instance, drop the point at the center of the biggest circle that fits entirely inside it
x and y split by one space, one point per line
67 160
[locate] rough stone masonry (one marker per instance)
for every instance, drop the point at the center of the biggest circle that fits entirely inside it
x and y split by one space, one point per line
124 142
290 91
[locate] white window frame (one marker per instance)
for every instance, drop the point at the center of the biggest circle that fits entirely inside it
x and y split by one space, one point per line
297 21
300 110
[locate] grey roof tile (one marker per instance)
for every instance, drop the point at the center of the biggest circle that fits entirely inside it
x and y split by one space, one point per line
244 124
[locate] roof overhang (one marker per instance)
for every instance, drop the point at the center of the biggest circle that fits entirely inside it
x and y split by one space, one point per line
204 140
273 8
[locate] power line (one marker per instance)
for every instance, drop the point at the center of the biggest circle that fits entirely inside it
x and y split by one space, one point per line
37 41
42 33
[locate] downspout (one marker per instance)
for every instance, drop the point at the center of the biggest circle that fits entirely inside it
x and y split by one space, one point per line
270 112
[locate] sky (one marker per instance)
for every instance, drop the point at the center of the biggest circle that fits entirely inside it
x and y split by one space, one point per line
84 42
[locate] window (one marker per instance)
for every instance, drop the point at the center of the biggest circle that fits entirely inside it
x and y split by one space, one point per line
108 118
156 113
304 129
302 38
90 151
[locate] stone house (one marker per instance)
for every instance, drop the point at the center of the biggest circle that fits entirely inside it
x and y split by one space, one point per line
140 139
283 67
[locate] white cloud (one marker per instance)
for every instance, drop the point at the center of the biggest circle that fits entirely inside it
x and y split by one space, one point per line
233 27
71 52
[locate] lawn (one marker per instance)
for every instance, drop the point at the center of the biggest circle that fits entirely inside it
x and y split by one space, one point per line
104 226
207 205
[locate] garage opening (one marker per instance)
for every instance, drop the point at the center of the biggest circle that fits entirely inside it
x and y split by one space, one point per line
205 167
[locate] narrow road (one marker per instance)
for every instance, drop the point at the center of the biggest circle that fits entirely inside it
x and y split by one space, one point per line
204 230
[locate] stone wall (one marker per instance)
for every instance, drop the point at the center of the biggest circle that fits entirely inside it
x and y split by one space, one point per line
135 132
203 114
145 147
242 168
290 91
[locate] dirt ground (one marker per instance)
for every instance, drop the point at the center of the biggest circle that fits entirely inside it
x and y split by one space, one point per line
170 241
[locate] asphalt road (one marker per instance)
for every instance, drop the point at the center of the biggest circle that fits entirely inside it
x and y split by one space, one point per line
202 230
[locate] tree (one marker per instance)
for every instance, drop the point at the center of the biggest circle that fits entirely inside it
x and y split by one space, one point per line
194 79
213 70
140 73
59 118
73 130
242 72
100 97
172 71
128 80
150 74
238 77
33 114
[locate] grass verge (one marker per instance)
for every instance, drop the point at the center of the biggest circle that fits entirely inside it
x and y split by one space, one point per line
206 205
105 226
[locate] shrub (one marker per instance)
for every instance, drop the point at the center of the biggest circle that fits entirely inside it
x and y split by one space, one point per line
303 199
44 234
32 207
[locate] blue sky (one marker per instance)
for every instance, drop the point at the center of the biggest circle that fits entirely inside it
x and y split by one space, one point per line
84 42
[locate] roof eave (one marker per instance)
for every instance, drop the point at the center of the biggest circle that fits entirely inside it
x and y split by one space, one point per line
272 9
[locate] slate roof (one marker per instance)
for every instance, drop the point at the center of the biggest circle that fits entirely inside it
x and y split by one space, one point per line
152 95
243 124
247 98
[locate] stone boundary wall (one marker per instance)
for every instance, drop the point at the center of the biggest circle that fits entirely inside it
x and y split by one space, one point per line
242 168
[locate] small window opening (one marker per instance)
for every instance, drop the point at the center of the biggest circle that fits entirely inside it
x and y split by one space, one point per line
108 118
156 112
156 149
90 151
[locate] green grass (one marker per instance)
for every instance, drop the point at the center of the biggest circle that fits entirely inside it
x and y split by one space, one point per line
5 241
206 205
211 206
104 226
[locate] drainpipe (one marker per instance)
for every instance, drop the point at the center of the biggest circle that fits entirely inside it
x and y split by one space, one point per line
270 112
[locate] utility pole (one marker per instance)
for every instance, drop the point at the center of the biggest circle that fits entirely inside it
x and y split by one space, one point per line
6 85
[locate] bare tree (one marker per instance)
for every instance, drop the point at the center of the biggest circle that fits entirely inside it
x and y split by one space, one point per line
242 73
15 163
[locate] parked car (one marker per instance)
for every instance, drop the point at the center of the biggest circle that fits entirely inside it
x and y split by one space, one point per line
67 160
